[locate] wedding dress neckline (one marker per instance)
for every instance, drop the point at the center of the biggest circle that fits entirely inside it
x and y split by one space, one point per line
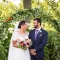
21 33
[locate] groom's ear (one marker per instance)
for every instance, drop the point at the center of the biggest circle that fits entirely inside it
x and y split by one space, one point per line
38 23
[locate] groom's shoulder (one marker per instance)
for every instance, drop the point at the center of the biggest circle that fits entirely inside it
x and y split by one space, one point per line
44 31
32 30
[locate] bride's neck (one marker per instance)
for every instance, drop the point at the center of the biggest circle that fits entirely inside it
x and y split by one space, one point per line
22 31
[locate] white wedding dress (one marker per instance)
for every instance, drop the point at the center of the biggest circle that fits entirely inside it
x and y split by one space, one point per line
18 53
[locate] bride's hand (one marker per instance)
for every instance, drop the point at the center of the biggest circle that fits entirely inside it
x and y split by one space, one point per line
14 43
18 40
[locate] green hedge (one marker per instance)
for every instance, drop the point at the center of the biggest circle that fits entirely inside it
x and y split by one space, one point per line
52 51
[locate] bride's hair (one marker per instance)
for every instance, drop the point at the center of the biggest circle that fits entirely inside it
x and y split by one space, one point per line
21 23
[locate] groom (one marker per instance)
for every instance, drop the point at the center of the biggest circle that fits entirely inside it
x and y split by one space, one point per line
39 39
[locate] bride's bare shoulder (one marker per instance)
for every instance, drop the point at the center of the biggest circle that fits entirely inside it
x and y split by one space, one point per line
15 33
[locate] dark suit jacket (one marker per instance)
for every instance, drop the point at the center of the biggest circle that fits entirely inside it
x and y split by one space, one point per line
39 43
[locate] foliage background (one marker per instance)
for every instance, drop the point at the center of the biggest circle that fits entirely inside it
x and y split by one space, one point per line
48 11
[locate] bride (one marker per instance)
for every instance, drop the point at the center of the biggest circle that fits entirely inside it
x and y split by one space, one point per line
20 34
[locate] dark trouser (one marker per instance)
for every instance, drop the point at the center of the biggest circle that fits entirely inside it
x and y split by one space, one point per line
34 58
40 59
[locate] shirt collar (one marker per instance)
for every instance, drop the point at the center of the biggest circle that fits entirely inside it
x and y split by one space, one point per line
39 29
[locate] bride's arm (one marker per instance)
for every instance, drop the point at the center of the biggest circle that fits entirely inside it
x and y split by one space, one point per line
14 43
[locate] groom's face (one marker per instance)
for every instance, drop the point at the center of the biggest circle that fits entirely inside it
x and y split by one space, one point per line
35 24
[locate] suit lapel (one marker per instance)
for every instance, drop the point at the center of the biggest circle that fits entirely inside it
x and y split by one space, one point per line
34 34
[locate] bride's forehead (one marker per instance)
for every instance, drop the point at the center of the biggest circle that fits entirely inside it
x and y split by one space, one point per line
26 23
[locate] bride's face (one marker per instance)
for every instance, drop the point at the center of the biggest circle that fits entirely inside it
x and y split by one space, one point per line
25 26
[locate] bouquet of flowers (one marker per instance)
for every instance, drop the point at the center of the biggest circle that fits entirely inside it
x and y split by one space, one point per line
24 44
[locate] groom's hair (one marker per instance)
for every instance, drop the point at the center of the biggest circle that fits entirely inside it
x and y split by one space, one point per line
38 20
21 23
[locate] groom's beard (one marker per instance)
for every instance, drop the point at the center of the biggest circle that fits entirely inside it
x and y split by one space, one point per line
35 26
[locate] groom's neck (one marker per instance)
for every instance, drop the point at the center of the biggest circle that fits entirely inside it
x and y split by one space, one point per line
38 27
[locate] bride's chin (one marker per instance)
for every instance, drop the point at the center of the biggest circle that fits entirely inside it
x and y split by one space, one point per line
25 29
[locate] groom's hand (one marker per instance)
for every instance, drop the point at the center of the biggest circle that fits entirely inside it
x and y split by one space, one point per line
32 52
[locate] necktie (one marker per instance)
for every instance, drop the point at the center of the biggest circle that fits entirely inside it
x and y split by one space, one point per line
36 32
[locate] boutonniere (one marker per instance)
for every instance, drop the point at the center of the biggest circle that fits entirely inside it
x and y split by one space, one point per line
40 35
